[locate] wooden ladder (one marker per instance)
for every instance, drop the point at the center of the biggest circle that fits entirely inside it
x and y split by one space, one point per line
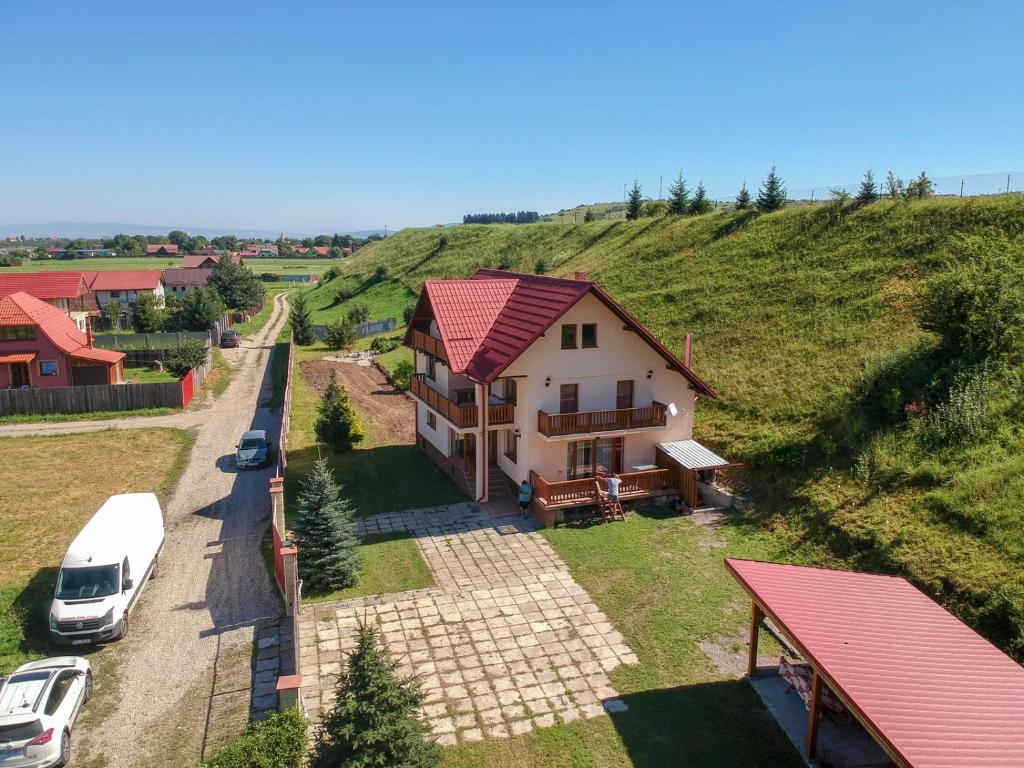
610 510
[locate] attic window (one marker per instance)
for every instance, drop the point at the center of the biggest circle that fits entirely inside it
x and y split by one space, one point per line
589 336
569 337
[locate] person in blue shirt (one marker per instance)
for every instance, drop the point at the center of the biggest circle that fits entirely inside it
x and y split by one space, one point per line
525 494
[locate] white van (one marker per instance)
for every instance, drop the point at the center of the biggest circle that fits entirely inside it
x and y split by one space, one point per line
105 570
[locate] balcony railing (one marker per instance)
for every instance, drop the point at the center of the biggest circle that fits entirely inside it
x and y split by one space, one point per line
428 344
462 416
587 422
579 493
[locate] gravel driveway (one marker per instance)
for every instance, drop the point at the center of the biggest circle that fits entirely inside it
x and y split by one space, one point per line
213 584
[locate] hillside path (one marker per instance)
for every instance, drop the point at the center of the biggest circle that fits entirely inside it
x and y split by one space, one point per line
213 588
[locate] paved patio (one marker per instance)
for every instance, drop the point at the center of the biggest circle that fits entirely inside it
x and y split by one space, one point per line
505 642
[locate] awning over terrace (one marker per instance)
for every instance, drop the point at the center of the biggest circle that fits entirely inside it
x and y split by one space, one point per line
931 691
693 456
18 357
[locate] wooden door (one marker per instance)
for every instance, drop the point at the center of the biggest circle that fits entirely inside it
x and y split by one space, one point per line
569 398
624 394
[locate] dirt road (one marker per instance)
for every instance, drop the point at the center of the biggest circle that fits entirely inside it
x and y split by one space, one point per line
213 585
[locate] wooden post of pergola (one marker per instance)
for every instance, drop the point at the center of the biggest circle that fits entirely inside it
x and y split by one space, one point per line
756 617
815 715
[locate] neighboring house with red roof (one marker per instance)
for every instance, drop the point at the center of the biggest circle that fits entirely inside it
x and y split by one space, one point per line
161 249
210 260
40 346
576 388
312 250
68 291
124 287
178 282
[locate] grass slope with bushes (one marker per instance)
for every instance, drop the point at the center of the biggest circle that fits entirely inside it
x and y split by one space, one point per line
805 324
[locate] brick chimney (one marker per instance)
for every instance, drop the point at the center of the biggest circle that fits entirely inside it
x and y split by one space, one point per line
688 351
581 276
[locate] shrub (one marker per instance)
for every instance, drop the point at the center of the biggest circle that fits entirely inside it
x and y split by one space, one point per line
977 305
505 262
300 320
188 355
344 294
336 422
280 741
375 717
330 273
407 313
442 242
147 317
380 272
339 334
402 374
540 266
326 533
358 313
964 417
268 277
383 344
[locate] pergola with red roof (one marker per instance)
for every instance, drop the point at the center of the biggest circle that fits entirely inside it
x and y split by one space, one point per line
930 690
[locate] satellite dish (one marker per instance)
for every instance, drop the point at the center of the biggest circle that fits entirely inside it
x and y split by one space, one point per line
672 410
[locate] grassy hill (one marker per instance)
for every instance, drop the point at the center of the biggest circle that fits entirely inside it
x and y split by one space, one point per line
804 324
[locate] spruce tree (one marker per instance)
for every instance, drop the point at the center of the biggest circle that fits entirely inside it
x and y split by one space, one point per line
700 203
375 717
634 203
868 191
678 197
326 533
301 321
743 198
772 195
336 422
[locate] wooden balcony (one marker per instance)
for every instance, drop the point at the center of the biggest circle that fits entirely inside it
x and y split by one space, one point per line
581 493
427 343
589 422
463 416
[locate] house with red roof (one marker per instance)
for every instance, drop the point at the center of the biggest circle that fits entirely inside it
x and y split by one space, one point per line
161 249
549 380
313 251
178 282
68 291
210 260
124 286
40 346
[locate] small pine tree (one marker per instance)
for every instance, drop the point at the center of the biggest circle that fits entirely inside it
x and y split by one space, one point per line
589 216
772 195
743 198
301 321
678 197
326 533
374 720
867 193
700 203
336 423
634 203
540 266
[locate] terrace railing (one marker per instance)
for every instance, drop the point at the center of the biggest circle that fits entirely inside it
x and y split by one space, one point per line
588 422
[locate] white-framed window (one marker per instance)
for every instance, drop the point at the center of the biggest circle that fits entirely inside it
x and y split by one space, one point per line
48 368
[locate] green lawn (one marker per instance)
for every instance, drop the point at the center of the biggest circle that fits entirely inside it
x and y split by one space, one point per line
391 563
379 476
147 376
383 298
31 418
39 517
661 581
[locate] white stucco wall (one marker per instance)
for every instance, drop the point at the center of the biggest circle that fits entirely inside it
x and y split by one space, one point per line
620 355
437 437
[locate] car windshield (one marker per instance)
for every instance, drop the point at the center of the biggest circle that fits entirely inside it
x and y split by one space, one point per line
251 444
83 583
20 731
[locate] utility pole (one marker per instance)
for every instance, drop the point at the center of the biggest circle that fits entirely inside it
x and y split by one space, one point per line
385 231
1007 183
659 187
961 186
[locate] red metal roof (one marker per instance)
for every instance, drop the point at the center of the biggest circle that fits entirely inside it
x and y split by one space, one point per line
22 309
156 248
125 280
45 285
489 319
935 693
187 278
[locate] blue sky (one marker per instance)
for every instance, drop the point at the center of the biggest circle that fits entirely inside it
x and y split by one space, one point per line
330 116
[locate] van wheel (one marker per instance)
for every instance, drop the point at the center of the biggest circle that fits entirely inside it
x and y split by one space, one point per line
156 568
65 749
124 627
88 688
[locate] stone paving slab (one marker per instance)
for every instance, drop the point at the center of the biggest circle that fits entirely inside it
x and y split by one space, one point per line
506 641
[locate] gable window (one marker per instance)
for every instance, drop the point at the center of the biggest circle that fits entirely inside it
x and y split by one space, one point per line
569 336
431 420
17 332
48 368
624 394
589 336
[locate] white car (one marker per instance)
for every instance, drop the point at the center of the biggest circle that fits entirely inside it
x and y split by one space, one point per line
38 707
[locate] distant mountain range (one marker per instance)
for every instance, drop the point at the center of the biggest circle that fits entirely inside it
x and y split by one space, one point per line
102 229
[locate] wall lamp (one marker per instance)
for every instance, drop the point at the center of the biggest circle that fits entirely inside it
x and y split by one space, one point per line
547 382
517 433
650 374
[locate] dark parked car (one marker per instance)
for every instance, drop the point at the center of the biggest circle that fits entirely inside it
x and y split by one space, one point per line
231 339
253 450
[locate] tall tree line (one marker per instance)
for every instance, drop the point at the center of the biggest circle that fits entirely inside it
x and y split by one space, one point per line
519 217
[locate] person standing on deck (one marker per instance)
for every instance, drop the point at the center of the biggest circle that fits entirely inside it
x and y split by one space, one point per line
525 494
611 482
